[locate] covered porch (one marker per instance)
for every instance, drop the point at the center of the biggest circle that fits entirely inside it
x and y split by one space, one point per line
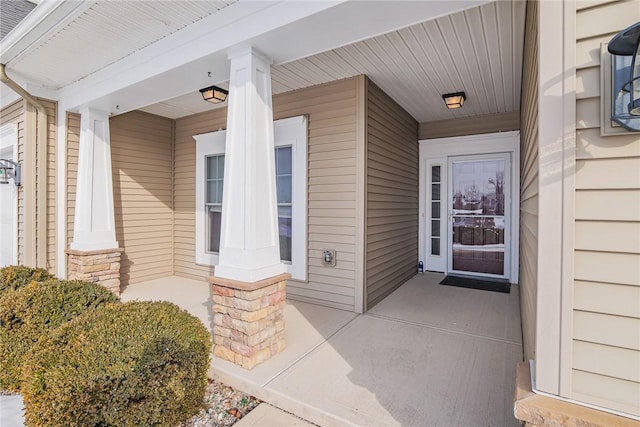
428 354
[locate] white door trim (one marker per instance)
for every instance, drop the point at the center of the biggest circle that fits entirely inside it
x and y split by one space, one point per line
438 150
9 139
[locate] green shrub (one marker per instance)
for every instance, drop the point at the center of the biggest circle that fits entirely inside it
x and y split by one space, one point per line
19 276
33 311
133 364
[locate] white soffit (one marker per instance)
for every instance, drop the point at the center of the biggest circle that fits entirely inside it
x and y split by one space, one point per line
104 33
478 50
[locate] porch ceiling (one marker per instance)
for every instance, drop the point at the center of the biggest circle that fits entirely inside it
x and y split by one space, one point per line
101 33
154 56
478 50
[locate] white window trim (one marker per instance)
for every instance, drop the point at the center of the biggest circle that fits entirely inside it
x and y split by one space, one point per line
291 131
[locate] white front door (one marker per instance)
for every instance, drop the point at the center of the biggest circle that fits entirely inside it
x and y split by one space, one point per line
8 201
479 215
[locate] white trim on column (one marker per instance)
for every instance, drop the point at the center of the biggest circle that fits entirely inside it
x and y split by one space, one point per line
61 194
556 107
249 241
94 221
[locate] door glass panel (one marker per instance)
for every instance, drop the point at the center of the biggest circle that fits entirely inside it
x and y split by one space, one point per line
436 206
478 216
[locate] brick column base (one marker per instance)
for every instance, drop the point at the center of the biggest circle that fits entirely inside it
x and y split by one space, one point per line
101 266
248 319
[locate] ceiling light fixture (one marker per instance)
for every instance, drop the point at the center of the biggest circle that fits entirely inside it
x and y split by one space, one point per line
214 94
454 100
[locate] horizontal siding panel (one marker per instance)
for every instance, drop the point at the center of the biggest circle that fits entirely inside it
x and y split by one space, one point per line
606 391
320 297
588 86
392 195
604 360
141 147
607 205
588 111
608 236
608 174
608 18
590 145
488 123
322 287
621 268
606 329
607 298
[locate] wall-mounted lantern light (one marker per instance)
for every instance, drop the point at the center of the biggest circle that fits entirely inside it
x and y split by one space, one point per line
214 94
454 100
9 170
624 47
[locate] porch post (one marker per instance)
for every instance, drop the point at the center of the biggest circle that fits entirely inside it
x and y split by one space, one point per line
94 254
249 283
249 241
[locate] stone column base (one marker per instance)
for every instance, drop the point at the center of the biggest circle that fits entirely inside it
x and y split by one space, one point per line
248 319
101 266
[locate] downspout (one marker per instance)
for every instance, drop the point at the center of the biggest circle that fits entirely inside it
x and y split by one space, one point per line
34 188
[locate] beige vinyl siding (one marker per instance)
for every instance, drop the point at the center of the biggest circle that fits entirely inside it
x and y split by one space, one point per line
606 320
15 114
529 183
141 162
392 195
331 111
488 123
73 142
184 233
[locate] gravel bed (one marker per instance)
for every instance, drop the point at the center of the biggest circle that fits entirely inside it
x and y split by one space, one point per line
223 406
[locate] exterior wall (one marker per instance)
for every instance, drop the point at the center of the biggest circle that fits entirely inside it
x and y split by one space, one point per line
332 115
489 123
73 142
606 315
15 113
392 195
141 162
529 183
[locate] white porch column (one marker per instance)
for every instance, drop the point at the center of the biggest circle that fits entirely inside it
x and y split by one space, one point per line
94 224
249 242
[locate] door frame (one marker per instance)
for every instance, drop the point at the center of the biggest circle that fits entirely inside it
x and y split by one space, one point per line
437 152
9 140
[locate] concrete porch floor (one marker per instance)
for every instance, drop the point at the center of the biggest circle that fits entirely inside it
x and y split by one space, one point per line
427 355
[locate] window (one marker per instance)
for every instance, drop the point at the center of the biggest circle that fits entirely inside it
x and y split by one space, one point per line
291 188
213 202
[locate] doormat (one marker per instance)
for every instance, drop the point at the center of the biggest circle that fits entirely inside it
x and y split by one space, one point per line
473 283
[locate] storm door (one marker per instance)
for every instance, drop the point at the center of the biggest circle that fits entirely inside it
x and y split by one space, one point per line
479 217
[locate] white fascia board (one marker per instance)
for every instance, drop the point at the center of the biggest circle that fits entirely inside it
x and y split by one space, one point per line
208 39
43 20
